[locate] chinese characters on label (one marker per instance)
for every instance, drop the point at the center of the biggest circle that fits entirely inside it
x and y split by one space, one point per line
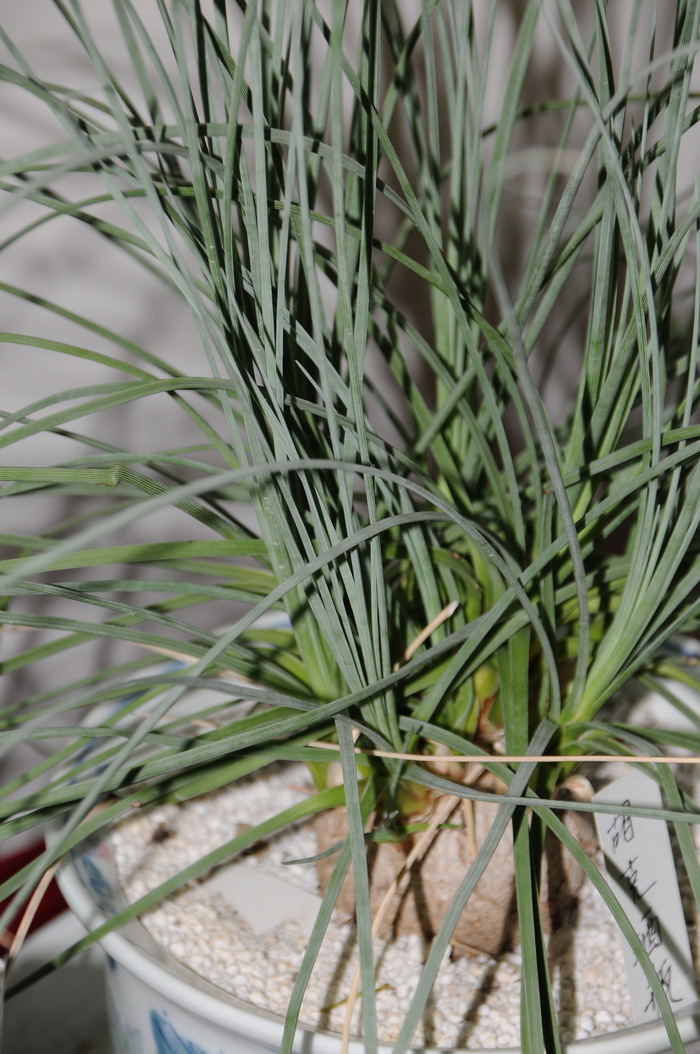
642 874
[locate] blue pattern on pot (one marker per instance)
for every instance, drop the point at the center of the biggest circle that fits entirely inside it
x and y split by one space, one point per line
168 1041
95 869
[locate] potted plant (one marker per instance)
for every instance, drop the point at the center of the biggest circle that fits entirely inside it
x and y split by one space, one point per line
444 336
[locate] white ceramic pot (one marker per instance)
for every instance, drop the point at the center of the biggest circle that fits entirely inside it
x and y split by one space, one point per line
158 1006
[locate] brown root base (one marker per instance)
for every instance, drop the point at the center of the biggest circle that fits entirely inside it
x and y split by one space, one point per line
489 922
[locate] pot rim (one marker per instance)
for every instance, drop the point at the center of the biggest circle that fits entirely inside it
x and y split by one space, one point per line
201 997
194 993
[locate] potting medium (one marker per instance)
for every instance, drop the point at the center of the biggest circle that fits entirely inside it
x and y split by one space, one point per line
246 944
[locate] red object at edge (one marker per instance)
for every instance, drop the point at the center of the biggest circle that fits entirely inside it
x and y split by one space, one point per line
52 902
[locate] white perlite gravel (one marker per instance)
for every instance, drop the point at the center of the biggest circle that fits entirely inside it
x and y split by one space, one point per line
476 1000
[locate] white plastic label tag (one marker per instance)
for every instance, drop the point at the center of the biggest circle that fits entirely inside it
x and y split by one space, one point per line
642 874
266 902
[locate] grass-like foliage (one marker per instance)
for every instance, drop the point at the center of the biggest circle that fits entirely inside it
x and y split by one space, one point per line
446 302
